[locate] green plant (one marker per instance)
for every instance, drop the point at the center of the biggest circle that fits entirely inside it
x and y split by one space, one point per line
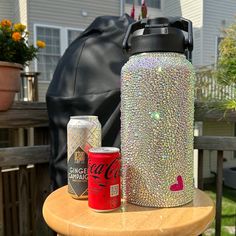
226 66
14 45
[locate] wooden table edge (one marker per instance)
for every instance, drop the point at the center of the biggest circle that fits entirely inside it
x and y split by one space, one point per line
60 226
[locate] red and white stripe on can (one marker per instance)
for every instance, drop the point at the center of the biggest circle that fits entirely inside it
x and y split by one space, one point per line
104 191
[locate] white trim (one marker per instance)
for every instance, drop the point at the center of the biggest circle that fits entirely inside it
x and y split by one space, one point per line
77 29
202 33
162 5
47 26
63 40
122 7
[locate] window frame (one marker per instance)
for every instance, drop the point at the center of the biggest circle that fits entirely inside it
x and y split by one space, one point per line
218 39
71 28
63 33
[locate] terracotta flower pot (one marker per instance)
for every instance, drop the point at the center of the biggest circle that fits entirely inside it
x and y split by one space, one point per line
9 83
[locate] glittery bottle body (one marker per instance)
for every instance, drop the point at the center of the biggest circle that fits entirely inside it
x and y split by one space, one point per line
157 107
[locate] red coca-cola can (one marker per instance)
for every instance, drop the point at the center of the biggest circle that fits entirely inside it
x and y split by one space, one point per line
104 191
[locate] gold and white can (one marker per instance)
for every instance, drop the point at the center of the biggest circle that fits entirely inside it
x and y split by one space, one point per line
83 133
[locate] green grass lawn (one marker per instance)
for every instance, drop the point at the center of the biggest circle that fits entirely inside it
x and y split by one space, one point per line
228 209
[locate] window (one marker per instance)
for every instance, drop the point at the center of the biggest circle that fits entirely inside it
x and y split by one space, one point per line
50 55
152 3
72 35
57 40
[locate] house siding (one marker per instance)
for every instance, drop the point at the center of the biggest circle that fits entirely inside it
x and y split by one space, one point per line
172 8
190 9
6 10
66 13
15 10
216 14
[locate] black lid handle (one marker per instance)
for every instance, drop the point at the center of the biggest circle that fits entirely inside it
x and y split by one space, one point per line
185 25
133 27
177 22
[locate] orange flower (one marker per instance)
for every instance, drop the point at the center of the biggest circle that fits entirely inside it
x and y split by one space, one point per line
19 27
6 23
41 44
16 36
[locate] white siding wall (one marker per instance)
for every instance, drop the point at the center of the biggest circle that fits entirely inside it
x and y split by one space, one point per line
215 129
23 18
6 9
192 10
215 13
172 8
16 11
67 13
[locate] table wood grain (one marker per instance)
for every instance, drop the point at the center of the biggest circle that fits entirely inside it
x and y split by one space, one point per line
68 216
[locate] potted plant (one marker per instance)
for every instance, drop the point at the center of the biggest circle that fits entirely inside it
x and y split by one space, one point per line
15 53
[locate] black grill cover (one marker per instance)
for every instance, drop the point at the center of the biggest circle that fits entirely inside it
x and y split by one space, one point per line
87 82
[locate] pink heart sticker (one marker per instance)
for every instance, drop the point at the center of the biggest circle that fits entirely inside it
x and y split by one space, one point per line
177 186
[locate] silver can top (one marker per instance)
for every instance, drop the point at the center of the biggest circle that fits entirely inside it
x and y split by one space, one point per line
84 117
104 150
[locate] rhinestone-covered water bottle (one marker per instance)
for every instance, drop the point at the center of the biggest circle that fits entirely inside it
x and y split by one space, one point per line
157 108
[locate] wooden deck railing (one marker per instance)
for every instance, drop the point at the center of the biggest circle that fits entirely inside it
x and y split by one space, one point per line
24 175
24 187
207 87
220 144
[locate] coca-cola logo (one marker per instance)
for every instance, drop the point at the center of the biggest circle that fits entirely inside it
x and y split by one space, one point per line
107 171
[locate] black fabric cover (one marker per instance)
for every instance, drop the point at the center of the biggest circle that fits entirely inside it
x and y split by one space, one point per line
87 82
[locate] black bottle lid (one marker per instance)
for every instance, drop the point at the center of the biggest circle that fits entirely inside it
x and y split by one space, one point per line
159 35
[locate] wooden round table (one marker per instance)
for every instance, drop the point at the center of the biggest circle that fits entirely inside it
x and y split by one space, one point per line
68 216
